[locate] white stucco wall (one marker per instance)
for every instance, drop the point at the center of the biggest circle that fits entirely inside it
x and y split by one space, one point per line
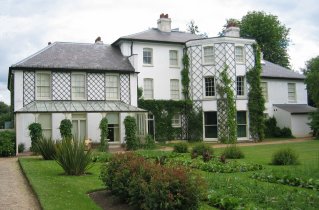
283 117
18 90
299 126
278 93
133 88
92 121
22 122
56 121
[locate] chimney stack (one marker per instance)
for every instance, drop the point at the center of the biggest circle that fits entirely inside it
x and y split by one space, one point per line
164 23
232 31
98 40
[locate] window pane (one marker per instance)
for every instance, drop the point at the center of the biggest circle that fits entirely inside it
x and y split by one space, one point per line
176 120
174 89
209 86
43 82
147 55
241 131
46 123
173 58
240 81
239 54
78 86
241 117
148 88
210 131
241 124
112 86
210 118
291 91
208 55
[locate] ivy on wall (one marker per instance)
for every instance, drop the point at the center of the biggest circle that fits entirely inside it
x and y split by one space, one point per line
256 101
226 94
185 76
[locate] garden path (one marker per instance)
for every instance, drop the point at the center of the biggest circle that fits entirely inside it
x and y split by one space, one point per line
15 192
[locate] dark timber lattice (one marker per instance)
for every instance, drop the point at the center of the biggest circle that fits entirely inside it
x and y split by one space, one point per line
28 87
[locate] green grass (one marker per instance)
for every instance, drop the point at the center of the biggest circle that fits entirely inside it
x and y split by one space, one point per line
58 191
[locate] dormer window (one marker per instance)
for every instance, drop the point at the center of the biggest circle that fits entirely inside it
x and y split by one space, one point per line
209 57
147 56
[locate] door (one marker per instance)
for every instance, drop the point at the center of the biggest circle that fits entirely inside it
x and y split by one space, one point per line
79 126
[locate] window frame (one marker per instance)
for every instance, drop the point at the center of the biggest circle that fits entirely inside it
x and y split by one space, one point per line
213 86
176 120
246 123
85 86
243 84
170 59
37 86
44 128
295 92
174 91
152 88
243 54
264 90
210 125
205 62
117 88
151 56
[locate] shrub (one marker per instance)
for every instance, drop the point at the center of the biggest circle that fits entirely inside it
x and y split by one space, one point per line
72 157
181 147
7 144
21 147
35 135
233 152
273 131
66 129
149 142
200 149
104 145
285 132
149 186
47 148
130 132
285 156
314 123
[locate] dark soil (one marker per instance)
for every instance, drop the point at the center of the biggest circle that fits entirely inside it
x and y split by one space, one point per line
107 201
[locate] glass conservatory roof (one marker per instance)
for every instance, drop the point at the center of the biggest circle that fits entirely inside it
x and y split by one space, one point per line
79 106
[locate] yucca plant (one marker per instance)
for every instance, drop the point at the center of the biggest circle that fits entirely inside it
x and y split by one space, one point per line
46 148
72 157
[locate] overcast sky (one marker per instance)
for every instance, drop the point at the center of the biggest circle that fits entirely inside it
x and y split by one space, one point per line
26 26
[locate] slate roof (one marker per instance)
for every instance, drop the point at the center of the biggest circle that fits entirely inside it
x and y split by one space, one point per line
155 35
296 108
271 70
80 56
79 106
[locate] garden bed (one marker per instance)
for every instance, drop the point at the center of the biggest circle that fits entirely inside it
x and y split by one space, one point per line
107 201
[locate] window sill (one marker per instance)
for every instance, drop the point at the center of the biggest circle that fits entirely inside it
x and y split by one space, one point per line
43 99
148 65
209 97
208 64
176 126
293 102
174 67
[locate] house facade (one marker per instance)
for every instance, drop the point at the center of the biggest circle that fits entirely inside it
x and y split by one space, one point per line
80 82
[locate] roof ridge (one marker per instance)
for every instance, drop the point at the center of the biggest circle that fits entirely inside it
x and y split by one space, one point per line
80 43
137 33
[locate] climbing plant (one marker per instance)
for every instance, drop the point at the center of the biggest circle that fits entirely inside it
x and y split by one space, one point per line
226 94
256 101
66 129
185 76
104 145
35 135
132 142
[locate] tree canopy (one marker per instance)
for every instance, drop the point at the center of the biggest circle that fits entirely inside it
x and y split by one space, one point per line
312 79
5 114
193 29
271 35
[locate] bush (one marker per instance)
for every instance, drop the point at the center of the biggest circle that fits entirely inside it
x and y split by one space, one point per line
285 132
21 148
285 156
272 130
130 132
314 123
66 129
7 144
181 147
35 135
46 148
233 152
149 142
146 185
104 144
72 157
201 149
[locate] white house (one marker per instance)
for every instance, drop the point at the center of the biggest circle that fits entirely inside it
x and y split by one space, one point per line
80 82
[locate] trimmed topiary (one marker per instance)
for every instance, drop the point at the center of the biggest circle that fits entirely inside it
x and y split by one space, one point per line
181 147
285 156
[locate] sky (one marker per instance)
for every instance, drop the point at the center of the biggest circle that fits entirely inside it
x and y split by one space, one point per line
26 26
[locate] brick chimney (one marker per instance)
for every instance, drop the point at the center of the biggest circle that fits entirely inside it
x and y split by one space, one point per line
232 31
164 23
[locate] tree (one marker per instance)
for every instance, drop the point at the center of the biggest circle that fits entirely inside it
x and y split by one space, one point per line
256 101
104 127
270 34
5 114
193 29
312 79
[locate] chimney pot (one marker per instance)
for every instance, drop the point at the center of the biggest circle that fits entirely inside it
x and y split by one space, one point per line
98 40
164 23
49 43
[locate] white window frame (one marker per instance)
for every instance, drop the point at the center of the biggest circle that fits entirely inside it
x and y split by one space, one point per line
145 89
246 125
152 56
214 87
294 100
112 87
176 120
205 62
50 120
37 86
242 60
85 86
264 89
243 89
174 92
173 59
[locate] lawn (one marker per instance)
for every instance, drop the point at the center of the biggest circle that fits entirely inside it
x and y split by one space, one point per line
57 191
